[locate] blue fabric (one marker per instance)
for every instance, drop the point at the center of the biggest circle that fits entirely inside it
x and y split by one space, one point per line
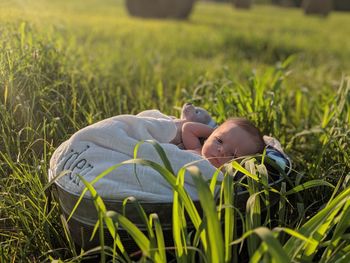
279 158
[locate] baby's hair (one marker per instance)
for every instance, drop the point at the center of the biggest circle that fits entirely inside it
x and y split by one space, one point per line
249 127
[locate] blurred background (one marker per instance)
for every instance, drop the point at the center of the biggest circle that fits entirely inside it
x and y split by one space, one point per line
65 64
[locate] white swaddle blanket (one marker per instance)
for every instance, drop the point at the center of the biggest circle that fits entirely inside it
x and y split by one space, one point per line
94 149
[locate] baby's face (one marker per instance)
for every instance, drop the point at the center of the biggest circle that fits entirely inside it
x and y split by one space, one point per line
228 141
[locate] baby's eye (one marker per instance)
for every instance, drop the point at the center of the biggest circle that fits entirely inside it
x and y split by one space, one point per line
197 112
218 140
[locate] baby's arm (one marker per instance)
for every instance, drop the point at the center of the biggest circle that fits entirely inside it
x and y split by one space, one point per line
191 132
178 138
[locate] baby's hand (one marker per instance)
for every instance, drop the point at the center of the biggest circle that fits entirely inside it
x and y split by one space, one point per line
191 134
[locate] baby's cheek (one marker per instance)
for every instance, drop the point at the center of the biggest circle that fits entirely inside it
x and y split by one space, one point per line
207 151
204 152
213 163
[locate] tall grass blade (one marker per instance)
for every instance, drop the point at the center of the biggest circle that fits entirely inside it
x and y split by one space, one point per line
159 150
101 209
179 221
253 207
215 240
229 221
99 177
141 212
272 246
316 227
147 223
154 221
68 235
341 227
171 179
140 239
239 168
307 185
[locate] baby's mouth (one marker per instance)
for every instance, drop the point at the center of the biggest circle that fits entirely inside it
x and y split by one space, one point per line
214 161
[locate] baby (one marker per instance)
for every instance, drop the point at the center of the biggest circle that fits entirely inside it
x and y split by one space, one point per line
234 138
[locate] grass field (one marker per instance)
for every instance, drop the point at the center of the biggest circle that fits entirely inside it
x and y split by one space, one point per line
67 64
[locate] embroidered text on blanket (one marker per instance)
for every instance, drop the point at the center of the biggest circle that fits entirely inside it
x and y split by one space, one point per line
73 163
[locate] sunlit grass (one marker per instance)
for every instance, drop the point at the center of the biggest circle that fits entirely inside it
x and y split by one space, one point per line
67 64
306 243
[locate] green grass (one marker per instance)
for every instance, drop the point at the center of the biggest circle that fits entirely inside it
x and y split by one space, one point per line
67 64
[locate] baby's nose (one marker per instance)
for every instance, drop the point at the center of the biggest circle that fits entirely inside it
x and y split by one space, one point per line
221 150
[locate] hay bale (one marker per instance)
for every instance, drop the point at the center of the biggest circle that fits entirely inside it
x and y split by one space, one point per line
341 5
317 7
246 4
179 9
287 3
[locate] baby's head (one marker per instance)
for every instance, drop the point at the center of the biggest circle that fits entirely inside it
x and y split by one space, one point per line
234 138
196 114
